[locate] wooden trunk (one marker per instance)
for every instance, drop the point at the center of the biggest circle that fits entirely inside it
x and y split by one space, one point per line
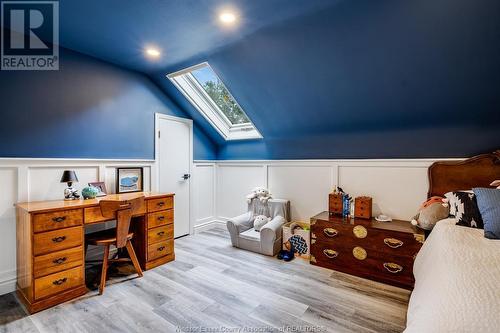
379 251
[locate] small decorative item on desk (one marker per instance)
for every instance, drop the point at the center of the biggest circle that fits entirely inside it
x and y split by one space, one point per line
129 180
89 192
69 177
363 207
101 187
335 202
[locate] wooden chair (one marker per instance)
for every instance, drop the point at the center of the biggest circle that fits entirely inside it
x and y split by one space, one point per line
120 236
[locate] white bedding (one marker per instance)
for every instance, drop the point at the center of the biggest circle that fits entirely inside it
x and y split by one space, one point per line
457 282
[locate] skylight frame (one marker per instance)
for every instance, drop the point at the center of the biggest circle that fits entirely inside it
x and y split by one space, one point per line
189 86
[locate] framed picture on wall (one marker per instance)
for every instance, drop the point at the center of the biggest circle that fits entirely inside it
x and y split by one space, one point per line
129 180
101 187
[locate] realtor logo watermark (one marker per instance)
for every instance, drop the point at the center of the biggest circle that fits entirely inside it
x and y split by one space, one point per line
30 35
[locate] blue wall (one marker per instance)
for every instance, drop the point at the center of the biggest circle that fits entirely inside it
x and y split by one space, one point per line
366 79
87 109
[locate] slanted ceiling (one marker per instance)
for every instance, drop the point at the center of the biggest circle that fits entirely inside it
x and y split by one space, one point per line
320 79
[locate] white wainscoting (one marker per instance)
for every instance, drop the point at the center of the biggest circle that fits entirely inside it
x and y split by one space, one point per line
38 179
397 187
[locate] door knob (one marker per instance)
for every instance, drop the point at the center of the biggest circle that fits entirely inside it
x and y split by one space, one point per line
186 176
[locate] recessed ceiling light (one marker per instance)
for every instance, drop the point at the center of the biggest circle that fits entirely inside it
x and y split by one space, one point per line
153 53
227 17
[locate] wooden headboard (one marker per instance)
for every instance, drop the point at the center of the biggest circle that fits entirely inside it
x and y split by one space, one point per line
477 171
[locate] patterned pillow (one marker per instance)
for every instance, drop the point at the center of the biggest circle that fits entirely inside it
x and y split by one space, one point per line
463 205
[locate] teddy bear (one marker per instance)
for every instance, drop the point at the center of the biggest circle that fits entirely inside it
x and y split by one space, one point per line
261 193
259 222
431 211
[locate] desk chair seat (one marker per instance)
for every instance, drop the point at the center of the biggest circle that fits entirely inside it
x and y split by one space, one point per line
104 237
122 211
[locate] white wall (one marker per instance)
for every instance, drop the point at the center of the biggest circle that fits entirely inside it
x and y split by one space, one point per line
38 179
398 187
219 188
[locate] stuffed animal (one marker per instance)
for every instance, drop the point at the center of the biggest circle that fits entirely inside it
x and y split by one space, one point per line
261 193
430 212
259 222
496 183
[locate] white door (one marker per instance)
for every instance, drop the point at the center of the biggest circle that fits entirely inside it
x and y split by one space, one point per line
174 163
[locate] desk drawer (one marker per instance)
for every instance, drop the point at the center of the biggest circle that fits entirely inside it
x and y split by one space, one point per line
155 205
58 261
158 234
57 220
55 283
56 240
94 215
160 218
160 249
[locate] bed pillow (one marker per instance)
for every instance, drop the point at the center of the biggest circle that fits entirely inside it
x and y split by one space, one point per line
463 206
488 201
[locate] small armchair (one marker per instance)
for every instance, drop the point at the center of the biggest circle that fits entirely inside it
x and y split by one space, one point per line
268 240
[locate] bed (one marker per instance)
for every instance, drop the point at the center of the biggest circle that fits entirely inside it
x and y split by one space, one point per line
457 271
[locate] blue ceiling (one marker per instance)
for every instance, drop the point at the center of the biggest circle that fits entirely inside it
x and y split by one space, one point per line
118 30
320 78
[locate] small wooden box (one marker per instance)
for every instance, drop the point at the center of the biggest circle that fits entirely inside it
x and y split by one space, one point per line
335 204
363 207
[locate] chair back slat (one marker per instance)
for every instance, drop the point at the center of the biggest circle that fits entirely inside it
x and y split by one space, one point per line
122 210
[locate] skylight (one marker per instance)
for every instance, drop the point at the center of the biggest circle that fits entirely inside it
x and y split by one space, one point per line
208 94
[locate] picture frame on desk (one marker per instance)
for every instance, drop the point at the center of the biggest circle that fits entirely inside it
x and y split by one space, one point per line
129 179
101 186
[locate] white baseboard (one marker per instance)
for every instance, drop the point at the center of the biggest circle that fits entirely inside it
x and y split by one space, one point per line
208 225
8 282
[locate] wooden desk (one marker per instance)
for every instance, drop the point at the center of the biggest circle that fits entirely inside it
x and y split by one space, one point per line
51 239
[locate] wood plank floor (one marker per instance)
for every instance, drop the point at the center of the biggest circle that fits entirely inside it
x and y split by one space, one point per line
212 285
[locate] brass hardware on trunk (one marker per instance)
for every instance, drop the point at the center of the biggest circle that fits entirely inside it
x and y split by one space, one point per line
359 253
330 253
330 232
419 238
313 259
393 267
393 242
359 231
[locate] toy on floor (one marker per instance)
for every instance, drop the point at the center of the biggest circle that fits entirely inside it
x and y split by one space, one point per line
261 193
287 255
430 212
259 222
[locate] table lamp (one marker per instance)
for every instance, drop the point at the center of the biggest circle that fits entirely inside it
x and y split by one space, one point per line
69 176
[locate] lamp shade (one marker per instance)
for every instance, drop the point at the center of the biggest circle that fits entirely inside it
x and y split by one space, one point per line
69 176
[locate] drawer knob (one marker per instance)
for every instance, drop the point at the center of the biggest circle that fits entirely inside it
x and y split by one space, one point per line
393 242
59 261
161 233
359 231
161 218
330 253
392 267
58 239
58 219
59 282
161 248
159 204
359 253
330 232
